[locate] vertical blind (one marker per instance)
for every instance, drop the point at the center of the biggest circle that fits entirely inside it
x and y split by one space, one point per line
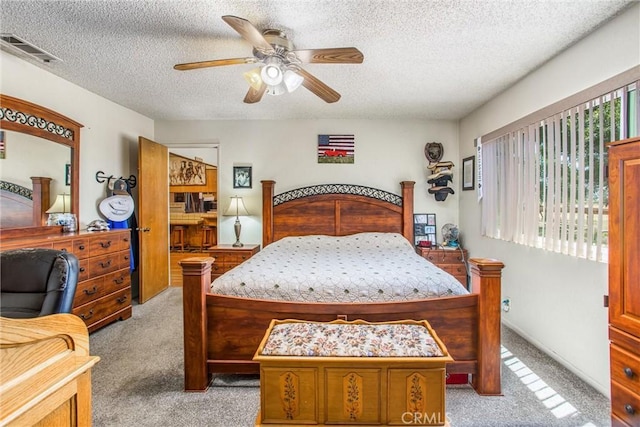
544 183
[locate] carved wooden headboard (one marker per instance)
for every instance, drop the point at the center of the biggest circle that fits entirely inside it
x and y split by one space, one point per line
24 207
336 210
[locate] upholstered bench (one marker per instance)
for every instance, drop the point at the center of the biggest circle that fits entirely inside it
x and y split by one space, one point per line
390 373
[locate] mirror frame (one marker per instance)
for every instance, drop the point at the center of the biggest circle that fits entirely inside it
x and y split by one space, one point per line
33 119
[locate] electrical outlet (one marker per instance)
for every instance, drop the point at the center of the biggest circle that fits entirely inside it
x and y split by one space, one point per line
506 304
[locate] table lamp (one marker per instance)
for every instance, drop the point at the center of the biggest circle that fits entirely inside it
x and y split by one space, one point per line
60 213
237 208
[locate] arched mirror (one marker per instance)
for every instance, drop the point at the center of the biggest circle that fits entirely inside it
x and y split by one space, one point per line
40 138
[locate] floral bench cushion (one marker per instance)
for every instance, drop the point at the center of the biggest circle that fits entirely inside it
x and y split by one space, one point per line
350 340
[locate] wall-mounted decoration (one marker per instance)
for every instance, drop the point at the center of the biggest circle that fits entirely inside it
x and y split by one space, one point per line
424 230
433 151
441 175
67 174
185 171
336 148
242 177
468 173
3 152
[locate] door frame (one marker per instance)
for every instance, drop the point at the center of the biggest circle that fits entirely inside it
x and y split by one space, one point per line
199 145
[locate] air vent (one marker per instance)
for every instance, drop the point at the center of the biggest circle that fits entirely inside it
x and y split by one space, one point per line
27 48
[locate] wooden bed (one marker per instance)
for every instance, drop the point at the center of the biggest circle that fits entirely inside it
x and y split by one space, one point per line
24 207
222 333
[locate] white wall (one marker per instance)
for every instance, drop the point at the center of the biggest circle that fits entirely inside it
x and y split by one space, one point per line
556 299
109 139
386 152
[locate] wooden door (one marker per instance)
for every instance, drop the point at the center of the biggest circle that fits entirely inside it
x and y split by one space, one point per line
153 231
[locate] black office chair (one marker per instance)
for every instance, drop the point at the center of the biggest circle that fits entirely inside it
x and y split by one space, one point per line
37 282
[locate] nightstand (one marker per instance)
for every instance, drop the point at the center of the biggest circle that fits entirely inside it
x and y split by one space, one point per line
453 261
228 256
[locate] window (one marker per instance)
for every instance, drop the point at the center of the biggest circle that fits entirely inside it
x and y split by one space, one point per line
545 183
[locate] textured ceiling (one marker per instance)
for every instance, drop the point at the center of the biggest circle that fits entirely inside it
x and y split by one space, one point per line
422 59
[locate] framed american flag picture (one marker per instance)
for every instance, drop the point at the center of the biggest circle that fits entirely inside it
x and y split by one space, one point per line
336 148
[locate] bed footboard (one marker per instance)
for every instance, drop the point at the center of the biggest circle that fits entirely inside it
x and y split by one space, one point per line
222 333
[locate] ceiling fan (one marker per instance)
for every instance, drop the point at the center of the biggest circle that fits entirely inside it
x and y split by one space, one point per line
280 69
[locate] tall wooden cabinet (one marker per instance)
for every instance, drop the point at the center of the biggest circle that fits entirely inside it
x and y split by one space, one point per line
624 281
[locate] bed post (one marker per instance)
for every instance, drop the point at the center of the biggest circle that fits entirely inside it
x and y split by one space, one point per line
41 197
267 212
486 283
196 279
407 209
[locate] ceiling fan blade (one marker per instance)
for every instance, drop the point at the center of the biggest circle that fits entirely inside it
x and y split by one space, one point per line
316 86
215 63
338 55
249 33
255 95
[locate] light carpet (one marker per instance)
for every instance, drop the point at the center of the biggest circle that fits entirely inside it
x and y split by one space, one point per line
139 382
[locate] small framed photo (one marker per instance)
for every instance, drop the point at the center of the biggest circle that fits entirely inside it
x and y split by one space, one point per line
468 173
67 174
242 177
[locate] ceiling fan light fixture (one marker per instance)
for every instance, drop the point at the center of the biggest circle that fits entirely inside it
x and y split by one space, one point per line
292 80
277 90
253 78
272 73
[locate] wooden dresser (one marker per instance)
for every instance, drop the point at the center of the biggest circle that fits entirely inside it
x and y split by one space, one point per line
227 257
452 261
103 294
624 281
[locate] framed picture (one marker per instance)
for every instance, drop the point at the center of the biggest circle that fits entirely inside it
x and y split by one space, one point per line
185 171
468 173
242 177
67 174
424 230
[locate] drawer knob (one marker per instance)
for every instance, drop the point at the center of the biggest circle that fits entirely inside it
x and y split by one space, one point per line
105 264
628 372
87 316
121 299
105 245
91 291
82 269
119 280
629 409
81 247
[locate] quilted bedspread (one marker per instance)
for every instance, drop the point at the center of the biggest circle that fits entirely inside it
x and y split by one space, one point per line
364 267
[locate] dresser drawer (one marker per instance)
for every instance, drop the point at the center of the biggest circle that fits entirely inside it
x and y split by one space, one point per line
442 256
458 270
79 247
104 285
89 290
103 264
124 241
625 369
95 311
625 405
83 269
124 259
105 244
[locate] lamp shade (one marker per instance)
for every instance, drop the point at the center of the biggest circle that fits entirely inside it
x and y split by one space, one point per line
236 207
253 78
292 80
62 204
272 73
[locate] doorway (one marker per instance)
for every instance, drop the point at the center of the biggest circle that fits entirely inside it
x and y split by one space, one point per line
193 210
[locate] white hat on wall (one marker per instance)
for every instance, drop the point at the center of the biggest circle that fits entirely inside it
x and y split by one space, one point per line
117 208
